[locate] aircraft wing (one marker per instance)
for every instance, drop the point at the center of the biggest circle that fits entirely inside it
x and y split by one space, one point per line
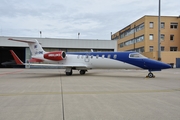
58 65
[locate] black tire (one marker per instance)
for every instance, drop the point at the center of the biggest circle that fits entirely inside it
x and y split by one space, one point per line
69 73
150 75
82 72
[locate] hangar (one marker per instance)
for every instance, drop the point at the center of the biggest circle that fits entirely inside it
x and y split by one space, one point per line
50 44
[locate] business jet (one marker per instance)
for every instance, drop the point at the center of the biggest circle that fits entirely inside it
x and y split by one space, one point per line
84 61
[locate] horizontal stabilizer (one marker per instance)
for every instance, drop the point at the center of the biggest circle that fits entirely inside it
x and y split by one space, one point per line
26 41
16 58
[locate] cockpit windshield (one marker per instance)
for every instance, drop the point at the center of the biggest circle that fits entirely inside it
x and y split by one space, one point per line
136 55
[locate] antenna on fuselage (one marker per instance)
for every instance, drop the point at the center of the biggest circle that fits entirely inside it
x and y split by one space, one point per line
92 50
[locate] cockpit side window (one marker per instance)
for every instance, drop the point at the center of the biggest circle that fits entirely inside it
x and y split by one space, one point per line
136 55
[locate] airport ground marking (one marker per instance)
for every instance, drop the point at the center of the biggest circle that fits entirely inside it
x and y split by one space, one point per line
14 72
91 92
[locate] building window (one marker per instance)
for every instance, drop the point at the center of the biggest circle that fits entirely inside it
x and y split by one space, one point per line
151 48
162 48
131 31
121 45
162 25
171 37
162 37
151 24
174 25
132 41
140 50
173 48
151 36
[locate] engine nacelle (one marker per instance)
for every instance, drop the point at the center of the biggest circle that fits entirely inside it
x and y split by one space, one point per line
56 56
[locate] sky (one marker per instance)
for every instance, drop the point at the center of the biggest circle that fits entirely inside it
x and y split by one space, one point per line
93 19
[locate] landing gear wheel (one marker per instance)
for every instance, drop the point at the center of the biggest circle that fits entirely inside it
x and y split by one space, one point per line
150 75
69 73
82 72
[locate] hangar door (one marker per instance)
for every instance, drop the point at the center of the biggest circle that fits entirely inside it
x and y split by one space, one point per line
6 59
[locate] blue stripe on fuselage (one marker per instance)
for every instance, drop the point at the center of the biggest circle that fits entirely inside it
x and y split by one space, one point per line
120 56
141 62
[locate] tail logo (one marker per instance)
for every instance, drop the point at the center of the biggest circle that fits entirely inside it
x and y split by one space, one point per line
39 52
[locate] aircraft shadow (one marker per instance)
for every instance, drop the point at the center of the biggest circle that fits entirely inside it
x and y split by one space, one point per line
53 75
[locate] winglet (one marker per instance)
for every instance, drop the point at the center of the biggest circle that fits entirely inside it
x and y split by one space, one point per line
16 58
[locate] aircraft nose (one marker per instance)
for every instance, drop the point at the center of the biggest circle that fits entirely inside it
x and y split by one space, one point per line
166 66
153 64
163 65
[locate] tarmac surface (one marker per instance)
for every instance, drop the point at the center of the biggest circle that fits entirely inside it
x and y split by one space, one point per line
48 94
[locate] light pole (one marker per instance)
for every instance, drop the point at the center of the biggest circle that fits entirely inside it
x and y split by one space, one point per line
78 35
40 34
159 32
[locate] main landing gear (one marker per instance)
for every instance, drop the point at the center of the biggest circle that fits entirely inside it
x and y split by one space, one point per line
82 72
150 75
69 71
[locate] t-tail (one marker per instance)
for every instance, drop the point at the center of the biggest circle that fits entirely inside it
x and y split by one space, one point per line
34 46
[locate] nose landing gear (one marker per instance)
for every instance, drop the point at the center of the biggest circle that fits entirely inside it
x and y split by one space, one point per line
150 75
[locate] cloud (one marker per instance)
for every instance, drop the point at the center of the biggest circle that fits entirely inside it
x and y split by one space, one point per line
94 19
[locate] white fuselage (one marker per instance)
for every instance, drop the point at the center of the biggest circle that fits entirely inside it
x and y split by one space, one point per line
91 62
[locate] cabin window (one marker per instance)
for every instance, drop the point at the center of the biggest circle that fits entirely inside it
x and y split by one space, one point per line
91 56
103 56
109 56
82 57
78 56
86 56
115 56
97 56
